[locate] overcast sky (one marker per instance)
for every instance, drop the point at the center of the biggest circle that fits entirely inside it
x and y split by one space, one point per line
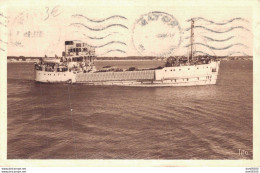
42 30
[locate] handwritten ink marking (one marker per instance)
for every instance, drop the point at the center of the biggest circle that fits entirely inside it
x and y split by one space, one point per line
54 12
47 12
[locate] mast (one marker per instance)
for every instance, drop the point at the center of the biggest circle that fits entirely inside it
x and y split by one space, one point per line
191 39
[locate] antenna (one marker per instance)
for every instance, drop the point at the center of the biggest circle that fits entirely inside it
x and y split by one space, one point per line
191 39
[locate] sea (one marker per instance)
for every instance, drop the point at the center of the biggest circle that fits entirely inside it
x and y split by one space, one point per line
74 121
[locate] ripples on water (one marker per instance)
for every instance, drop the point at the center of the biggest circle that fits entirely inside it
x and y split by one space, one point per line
62 121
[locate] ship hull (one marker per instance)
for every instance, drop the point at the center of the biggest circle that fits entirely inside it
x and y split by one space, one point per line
54 77
204 74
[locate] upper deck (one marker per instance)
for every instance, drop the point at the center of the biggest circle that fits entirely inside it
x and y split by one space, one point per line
77 48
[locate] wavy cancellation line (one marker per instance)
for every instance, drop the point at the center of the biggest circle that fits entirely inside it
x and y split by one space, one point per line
212 39
109 43
97 38
3 24
112 50
211 30
214 48
218 23
101 20
1 15
100 29
3 41
100 38
204 53
231 53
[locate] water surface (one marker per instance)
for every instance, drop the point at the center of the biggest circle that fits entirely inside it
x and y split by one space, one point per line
63 121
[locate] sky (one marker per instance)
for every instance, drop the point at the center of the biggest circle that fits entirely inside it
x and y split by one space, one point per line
130 29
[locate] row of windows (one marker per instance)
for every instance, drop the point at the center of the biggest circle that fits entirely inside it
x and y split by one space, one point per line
78 50
207 77
180 69
81 44
53 74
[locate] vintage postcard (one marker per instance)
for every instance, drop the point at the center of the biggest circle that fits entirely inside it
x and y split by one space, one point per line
129 83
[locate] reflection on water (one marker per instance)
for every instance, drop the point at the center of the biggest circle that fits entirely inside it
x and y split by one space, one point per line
62 121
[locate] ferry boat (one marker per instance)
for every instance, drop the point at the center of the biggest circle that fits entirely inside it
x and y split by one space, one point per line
77 66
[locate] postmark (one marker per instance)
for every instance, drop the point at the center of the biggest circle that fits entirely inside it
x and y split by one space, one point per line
31 28
156 34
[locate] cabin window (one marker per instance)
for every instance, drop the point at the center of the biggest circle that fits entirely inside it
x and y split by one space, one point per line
188 68
173 69
165 70
197 67
187 79
78 45
179 69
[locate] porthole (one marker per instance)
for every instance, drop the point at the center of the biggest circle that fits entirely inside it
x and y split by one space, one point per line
179 69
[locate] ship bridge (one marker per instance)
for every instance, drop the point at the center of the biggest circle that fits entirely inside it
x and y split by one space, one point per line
78 48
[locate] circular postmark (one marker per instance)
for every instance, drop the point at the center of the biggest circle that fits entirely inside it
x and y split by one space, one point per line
31 34
156 34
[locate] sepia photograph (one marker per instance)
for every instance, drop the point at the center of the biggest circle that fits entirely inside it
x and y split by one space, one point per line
129 80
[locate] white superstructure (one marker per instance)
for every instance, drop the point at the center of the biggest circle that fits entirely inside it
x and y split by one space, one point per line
77 66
